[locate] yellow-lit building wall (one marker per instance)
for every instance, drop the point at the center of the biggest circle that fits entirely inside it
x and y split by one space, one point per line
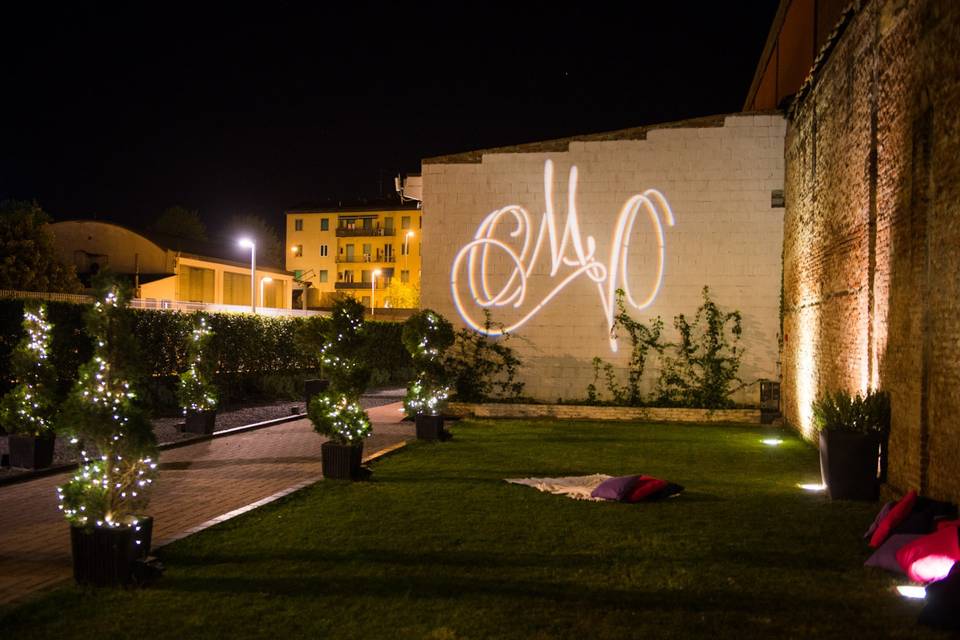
199 280
338 251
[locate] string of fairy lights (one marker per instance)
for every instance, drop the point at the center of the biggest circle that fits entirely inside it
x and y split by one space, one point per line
29 401
426 394
197 393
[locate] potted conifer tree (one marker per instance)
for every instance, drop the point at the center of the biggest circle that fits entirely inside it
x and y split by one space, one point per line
105 497
427 335
852 431
196 392
27 411
336 412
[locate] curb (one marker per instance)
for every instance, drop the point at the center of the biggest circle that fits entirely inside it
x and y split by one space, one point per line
63 468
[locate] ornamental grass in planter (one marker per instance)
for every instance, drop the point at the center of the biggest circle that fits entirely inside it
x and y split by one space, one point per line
853 433
427 335
104 499
196 391
27 411
336 412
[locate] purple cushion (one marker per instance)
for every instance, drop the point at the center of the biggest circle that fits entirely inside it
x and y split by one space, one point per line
880 516
615 488
886 556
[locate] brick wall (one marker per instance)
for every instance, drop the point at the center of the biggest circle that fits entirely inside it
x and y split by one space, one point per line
717 174
872 232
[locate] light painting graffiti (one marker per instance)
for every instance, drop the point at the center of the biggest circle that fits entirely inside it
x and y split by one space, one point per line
470 272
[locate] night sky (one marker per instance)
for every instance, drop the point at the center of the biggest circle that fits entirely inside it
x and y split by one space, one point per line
119 112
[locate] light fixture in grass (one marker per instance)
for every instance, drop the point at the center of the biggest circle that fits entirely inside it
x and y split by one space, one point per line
196 392
105 497
427 335
27 411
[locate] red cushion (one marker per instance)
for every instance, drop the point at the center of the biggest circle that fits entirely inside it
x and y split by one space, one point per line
645 487
897 515
931 557
945 524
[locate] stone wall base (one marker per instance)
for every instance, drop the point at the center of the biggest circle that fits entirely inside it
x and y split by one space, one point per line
585 412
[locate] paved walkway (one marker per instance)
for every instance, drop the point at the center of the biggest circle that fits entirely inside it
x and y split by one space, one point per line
197 483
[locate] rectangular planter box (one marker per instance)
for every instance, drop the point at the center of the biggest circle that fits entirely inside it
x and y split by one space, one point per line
30 452
341 461
429 427
202 422
102 557
586 412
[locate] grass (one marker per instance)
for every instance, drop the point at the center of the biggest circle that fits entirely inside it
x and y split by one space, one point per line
437 546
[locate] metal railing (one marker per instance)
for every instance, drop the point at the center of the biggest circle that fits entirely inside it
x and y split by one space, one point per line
374 259
352 232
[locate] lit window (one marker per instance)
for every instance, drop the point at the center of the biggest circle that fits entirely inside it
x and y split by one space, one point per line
324 224
404 276
298 224
405 222
323 275
323 250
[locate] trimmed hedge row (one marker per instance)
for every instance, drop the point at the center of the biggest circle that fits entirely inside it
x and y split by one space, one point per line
257 357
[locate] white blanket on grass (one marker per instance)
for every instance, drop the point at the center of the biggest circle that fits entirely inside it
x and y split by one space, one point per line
576 487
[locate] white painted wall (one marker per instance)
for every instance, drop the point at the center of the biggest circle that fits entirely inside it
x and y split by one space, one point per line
718 181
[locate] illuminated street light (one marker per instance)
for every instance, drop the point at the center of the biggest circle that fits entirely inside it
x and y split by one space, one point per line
264 280
406 247
373 289
247 243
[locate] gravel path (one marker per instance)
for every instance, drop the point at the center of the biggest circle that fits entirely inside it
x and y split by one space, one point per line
168 429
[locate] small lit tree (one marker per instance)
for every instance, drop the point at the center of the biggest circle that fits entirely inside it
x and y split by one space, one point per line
336 412
114 434
196 392
427 336
28 409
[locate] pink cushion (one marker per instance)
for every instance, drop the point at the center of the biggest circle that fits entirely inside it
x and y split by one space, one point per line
931 557
646 486
896 515
615 488
945 524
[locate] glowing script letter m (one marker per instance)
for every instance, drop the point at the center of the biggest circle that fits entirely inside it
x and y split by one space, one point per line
520 249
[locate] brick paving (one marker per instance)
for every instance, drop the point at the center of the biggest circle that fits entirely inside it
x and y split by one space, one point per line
197 483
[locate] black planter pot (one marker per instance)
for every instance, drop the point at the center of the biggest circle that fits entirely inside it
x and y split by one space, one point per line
201 422
31 452
341 461
313 387
848 463
103 557
430 427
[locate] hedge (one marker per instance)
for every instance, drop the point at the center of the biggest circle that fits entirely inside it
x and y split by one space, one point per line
257 357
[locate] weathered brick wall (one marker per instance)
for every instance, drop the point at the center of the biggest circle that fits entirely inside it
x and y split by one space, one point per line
718 179
872 233
583 412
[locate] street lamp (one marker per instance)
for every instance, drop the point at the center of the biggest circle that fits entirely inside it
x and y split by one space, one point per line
373 289
247 243
406 247
263 281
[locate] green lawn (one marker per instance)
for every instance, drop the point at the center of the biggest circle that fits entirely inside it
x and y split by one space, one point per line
437 546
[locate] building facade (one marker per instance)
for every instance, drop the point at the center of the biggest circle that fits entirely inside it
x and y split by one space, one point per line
370 253
163 272
542 235
872 232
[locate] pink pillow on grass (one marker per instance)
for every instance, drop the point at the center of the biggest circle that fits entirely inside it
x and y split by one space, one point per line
896 515
931 557
645 487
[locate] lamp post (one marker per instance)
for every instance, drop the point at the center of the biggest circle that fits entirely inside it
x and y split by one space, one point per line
406 248
263 281
373 289
247 243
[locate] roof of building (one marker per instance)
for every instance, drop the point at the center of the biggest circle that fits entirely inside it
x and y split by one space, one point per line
210 250
563 144
362 207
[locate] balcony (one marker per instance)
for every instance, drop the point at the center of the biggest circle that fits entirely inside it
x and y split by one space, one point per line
377 259
381 283
354 232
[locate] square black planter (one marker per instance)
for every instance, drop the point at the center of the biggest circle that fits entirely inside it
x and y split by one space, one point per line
201 422
313 387
848 463
103 557
341 461
30 452
430 427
